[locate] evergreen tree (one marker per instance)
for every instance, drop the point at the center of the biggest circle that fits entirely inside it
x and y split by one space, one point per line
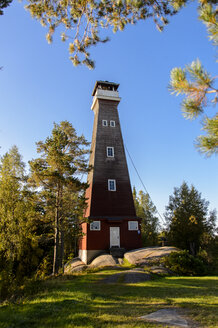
81 21
146 210
188 219
58 171
19 219
198 85
3 5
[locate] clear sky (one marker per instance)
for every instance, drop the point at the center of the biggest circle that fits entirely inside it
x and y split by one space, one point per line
39 86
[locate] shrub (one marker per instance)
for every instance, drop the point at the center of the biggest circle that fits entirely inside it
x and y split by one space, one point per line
185 264
45 267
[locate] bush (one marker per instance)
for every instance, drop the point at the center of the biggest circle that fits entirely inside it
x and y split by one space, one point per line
185 264
7 283
45 267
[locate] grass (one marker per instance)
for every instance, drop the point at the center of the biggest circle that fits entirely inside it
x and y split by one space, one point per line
83 301
127 264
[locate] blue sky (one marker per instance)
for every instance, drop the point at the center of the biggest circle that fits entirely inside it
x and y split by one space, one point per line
39 86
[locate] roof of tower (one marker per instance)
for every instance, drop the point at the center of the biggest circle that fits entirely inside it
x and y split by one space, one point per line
105 85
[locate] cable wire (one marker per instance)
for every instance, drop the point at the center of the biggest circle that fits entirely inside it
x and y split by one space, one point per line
143 184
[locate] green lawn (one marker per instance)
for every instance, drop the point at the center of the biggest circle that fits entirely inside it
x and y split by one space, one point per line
84 301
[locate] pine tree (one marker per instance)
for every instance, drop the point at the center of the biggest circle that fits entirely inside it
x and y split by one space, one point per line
19 218
188 219
81 22
58 171
198 85
3 5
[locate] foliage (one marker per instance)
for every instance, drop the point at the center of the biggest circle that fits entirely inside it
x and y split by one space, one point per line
197 91
209 143
208 16
184 263
4 4
209 251
146 210
162 238
198 85
57 172
29 205
81 21
20 219
188 219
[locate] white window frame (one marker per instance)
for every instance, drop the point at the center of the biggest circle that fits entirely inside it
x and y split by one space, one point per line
112 124
97 228
104 123
112 151
131 228
109 184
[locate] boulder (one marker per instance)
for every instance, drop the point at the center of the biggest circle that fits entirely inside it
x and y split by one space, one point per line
74 265
142 255
79 268
160 270
120 261
103 260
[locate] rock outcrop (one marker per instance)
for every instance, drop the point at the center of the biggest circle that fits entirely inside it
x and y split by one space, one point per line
75 265
104 260
148 257
144 256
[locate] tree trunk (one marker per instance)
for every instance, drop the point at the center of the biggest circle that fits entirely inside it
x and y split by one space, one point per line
192 248
56 259
61 263
62 250
76 233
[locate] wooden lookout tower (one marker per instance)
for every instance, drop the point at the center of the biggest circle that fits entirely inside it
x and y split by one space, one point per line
110 206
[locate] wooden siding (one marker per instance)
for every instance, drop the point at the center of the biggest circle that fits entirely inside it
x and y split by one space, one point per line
103 202
112 208
100 240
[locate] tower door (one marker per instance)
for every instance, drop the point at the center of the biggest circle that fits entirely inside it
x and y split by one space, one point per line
114 236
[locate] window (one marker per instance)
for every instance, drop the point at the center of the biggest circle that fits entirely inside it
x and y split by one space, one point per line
112 185
112 123
95 225
110 151
133 225
104 122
